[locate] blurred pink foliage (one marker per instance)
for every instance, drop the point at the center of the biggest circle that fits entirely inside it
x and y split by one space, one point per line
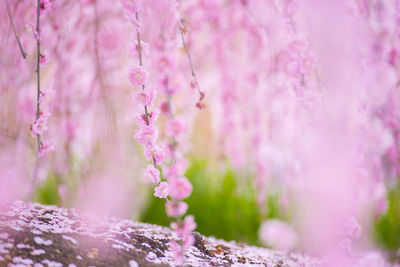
304 95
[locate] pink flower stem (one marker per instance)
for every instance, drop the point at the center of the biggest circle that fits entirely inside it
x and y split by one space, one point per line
14 30
38 67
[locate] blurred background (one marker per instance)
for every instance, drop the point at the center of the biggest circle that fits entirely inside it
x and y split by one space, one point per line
296 149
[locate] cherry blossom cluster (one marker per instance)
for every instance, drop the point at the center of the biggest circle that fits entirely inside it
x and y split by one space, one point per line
175 128
171 185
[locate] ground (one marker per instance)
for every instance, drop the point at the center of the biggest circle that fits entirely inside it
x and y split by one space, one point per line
36 235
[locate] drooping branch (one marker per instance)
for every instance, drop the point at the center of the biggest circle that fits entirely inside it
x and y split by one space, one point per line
146 113
38 67
183 30
15 30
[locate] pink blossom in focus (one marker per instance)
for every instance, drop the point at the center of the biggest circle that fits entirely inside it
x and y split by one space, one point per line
40 125
146 135
138 75
144 97
152 174
151 116
176 208
180 188
133 48
35 33
155 152
161 190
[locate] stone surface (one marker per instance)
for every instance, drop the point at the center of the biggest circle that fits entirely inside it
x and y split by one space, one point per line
37 235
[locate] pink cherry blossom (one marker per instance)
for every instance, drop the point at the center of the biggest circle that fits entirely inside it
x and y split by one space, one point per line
161 190
40 125
180 188
133 48
146 135
151 117
154 152
152 174
144 97
45 147
44 58
138 75
45 6
42 97
176 208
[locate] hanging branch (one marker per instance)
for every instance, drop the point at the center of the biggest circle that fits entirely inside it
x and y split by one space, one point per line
14 30
146 113
38 68
183 30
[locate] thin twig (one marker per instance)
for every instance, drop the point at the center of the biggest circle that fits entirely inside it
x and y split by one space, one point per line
183 29
38 67
14 30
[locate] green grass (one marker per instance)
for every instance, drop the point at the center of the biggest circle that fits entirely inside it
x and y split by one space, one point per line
47 192
387 228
